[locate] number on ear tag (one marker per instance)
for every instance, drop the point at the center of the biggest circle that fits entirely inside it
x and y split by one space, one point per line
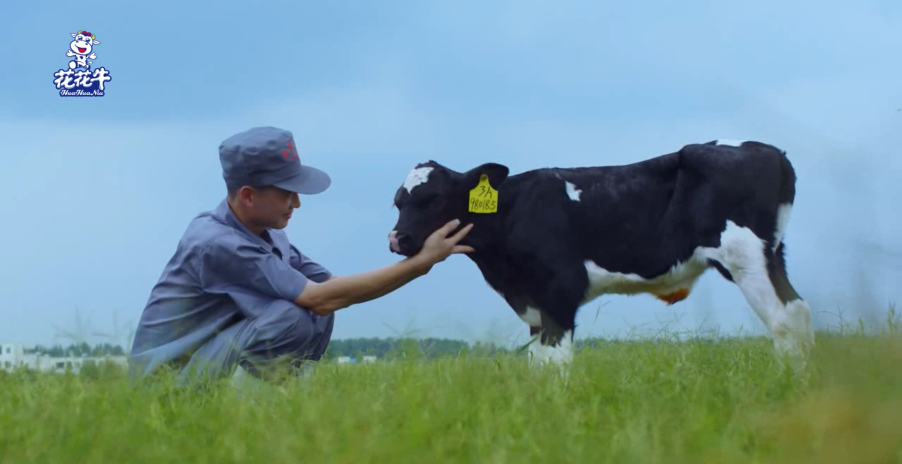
483 198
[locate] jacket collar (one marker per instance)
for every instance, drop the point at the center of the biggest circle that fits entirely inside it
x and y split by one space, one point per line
225 214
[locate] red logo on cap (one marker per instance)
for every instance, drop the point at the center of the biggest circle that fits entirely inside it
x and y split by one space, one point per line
291 152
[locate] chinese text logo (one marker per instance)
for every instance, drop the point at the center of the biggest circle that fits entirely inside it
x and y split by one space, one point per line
79 80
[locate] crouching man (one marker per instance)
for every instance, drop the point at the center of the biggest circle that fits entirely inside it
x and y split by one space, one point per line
238 293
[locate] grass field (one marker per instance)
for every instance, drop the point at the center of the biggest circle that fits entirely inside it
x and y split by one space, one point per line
626 402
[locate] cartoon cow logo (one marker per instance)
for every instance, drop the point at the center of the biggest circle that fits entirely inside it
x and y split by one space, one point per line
80 80
82 48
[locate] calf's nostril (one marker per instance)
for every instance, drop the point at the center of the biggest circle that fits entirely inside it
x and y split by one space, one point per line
403 240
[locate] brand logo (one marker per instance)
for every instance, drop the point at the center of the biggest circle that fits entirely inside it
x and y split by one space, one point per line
80 80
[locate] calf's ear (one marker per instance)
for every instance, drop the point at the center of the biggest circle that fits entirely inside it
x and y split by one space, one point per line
496 173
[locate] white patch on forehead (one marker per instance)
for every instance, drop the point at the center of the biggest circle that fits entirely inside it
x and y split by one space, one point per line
732 143
572 191
416 177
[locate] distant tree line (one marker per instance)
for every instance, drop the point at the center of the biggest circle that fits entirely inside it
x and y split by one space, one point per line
427 347
78 350
353 347
418 347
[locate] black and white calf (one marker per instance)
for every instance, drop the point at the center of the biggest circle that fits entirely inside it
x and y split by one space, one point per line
560 238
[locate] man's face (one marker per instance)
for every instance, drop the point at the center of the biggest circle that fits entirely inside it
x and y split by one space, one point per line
269 206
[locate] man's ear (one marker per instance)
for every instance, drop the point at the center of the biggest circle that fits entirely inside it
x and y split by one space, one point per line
496 173
247 195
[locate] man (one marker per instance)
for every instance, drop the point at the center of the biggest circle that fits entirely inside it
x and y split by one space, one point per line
237 293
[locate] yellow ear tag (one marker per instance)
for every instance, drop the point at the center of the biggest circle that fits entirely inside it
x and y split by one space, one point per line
483 198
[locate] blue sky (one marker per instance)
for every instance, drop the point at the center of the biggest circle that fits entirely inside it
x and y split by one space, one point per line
98 191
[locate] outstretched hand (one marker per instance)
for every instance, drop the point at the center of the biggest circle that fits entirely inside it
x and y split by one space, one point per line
439 246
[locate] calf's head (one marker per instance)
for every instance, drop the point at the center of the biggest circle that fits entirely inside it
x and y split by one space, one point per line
431 196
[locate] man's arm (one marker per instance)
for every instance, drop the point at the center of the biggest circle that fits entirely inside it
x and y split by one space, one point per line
334 294
317 273
385 291
337 293
310 268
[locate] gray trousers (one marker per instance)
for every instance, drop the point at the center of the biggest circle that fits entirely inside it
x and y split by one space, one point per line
288 334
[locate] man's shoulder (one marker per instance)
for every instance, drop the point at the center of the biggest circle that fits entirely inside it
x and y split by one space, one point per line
210 236
208 233
203 229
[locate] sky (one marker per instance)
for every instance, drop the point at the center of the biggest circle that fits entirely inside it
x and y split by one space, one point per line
99 190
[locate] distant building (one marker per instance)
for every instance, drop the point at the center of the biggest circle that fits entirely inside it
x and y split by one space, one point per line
13 356
350 360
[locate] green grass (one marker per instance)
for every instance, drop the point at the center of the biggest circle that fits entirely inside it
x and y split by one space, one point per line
663 401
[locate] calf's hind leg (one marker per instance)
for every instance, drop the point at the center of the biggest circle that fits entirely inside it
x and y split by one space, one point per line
761 276
795 308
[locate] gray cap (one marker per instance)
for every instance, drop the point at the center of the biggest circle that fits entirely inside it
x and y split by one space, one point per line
263 156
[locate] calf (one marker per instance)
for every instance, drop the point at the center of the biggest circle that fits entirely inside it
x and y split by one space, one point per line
551 240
